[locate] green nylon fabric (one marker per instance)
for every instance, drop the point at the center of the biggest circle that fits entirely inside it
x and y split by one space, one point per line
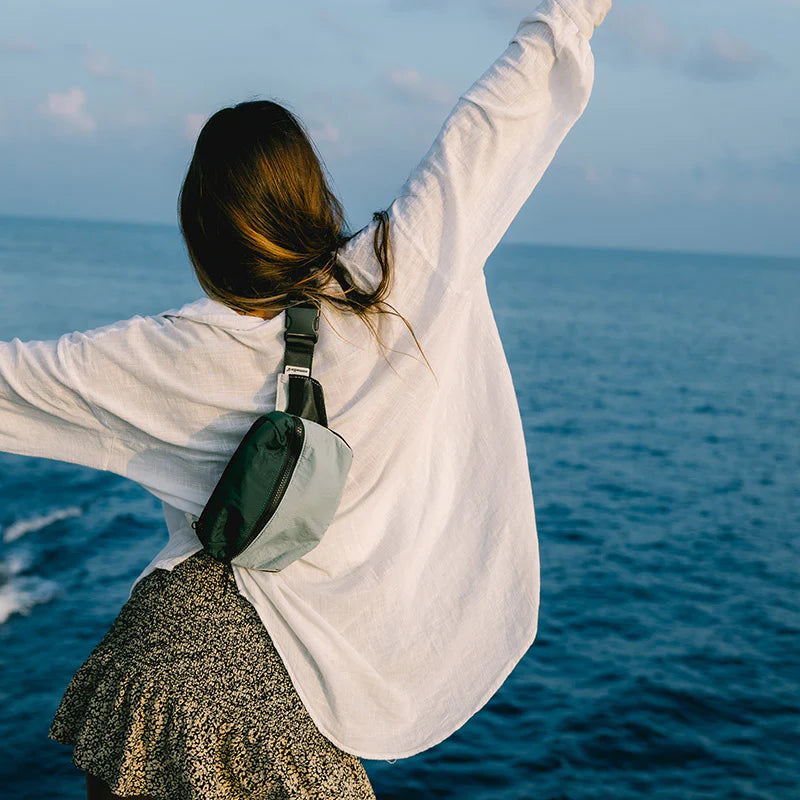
246 486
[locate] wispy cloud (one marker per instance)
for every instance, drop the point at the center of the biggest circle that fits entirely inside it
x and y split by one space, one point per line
18 44
324 131
641 36
722 57
103 65
67 108
416 87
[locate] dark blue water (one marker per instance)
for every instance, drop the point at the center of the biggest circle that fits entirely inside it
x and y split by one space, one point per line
661 400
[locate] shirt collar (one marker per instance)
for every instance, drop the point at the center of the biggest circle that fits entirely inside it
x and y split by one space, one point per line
212 312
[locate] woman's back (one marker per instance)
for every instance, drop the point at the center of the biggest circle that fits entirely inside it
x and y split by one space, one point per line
424 592
374 623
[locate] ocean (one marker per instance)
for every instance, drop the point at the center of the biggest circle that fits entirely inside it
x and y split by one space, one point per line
660 396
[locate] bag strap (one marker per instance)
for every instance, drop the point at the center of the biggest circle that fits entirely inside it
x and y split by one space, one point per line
297 392
300 336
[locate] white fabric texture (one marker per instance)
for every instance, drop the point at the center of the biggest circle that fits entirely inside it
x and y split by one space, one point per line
424 593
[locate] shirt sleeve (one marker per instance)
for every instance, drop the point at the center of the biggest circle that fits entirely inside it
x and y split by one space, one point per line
44 411
498 140
88 397
143 398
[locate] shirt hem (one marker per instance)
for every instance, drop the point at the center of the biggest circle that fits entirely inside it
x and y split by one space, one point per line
430 741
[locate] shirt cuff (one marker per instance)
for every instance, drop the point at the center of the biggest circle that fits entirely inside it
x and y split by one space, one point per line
586 14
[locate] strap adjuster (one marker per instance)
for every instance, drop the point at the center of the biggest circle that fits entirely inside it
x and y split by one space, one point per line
300 336
302 323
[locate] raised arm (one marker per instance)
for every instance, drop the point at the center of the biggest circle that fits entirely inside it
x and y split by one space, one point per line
498 140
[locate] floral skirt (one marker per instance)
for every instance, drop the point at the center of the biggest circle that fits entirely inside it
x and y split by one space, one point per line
186 698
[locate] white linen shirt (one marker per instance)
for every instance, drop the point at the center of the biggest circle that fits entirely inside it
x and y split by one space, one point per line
424 593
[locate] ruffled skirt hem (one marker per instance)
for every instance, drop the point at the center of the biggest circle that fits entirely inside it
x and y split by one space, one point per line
186 698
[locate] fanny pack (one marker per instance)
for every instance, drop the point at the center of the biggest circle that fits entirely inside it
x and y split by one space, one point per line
281 488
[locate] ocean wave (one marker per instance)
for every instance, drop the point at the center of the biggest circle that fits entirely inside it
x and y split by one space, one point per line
21 527
20 593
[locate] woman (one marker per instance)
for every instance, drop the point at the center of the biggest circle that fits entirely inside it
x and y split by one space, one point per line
220 682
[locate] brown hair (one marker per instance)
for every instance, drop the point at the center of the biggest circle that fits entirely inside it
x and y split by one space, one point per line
261 225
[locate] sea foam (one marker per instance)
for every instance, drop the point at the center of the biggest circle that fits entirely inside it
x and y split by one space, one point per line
36 523
20 593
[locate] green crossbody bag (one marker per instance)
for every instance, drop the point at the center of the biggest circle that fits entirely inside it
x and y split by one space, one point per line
281 488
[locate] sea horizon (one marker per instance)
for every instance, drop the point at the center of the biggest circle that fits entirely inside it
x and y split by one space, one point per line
553 245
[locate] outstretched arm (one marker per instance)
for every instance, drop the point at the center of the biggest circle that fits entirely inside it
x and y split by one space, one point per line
81 397
498 140
44 411
112 399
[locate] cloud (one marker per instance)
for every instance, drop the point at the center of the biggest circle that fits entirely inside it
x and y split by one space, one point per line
722 57
68 109
412 85
641 36
18 45
193 124
102 65
324 132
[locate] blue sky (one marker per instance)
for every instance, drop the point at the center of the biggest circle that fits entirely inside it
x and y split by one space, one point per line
690 141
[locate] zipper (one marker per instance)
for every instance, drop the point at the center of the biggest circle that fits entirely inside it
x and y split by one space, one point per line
197 524
292 456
